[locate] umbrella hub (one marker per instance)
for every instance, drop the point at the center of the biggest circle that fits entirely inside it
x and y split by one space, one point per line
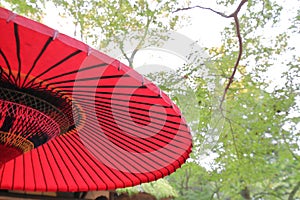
23 128
28 121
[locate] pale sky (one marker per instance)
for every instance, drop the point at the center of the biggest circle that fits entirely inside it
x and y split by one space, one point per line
205 25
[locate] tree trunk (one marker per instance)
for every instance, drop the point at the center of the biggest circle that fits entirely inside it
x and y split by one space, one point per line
246 193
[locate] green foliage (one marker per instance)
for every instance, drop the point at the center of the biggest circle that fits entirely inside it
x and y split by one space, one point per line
253 144
31 8
111 24
257 146
192 182
119 22
160 189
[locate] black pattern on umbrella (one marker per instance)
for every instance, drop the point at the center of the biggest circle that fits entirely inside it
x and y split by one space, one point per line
74 119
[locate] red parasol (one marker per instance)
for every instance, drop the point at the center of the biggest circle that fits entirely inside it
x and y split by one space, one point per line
74 119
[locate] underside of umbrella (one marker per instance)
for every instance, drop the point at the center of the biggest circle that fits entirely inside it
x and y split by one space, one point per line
74 119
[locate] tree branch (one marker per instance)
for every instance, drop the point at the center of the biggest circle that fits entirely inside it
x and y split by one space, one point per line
245 193
237 10
235 13
123 52
294 191
142 40
238 34
215 192
204 8
240 41
233 136
289 149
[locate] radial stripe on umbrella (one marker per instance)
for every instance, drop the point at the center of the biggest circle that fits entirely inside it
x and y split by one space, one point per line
75 119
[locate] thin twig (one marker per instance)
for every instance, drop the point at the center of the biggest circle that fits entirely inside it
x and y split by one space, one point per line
289 149
233 137
123 52
201 7
141 42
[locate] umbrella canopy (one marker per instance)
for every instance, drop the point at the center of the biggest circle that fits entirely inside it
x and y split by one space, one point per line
75 119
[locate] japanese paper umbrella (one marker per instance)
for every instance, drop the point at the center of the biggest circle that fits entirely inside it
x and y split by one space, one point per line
75 119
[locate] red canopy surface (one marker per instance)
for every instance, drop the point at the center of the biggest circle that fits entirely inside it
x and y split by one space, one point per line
74 119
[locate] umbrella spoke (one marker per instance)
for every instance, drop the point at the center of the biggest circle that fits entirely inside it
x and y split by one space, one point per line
75 72
31 82
88 121
37 59
10 74
17 38
120 114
